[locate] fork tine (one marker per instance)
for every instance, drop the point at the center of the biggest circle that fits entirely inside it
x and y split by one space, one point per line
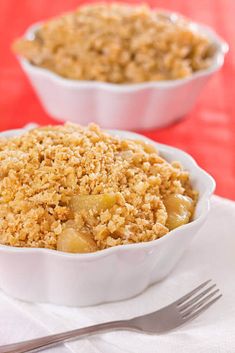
199 303
196 298
202 309
190 294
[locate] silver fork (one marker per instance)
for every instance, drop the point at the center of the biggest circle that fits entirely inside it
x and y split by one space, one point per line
168 318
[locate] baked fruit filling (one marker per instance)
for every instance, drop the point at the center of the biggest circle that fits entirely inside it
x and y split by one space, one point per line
179 210
79 190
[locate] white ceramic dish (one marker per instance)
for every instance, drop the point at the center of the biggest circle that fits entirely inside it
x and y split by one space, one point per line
43 275
126 106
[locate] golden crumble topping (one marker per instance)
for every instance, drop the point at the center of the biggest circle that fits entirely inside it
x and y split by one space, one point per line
118 43
80 189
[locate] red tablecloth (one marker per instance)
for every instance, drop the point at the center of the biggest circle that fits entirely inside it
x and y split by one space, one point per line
207 133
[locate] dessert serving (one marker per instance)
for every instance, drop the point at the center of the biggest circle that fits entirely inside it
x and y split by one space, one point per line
118 43
80 190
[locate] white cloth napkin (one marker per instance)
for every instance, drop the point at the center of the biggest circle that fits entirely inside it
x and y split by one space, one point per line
211 255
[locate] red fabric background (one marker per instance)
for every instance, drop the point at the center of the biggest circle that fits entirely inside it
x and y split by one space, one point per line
207 133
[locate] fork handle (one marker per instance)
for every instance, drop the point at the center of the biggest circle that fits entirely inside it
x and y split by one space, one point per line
39 344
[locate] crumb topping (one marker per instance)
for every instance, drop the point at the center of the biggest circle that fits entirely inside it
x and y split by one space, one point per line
44 172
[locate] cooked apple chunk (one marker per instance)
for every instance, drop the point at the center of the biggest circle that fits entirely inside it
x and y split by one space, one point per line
179 209
92 202
74 241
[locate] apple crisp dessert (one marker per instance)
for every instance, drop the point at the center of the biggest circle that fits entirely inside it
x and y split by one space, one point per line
79 189
118 43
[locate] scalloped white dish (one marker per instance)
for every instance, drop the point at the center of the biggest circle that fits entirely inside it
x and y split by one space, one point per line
122 106
43 275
